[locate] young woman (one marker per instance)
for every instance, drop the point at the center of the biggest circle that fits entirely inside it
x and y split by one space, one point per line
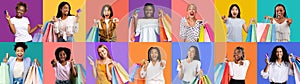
107 26
65 24
282 22
20 25
147 27
189 68
189 25
235 24
19 66
102 68
153 69
239 67
62 66
279 66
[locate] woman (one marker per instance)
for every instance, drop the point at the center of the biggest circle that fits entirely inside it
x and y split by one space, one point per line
189 68
19 66
20 25
65 24
279 66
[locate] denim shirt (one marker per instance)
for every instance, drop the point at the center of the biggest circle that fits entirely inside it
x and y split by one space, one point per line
11 63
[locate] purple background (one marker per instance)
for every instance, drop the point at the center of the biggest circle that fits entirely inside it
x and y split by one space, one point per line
165 5
34 13
118 51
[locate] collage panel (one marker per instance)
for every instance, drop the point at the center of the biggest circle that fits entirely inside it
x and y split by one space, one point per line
150 63
106 59
235 63
64 63
192 63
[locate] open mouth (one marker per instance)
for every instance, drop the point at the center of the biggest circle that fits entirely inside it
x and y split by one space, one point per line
192 13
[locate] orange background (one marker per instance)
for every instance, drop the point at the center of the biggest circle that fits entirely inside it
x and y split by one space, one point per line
49 54
205 10
120 10
139 51
250 49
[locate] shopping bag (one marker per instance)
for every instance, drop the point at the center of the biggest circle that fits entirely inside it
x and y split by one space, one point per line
4 73
92 35
265 33
133 70
166 20
254 36
162 33
122 73
273 35
206 79
218 72
249 34
37 37
225 78
296 71
269 35
80 79
209 32
201 34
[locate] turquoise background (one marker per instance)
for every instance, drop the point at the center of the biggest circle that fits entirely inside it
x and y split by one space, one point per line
266 8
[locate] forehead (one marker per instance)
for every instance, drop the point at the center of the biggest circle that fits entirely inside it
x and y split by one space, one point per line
20 48
278 49
279 8
66 5
148 7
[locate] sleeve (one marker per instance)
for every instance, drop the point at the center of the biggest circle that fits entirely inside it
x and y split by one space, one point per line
230 64
182 28
265 75
247 63
198 66
143 73
12 20
27 21
138 28
157 28
55 27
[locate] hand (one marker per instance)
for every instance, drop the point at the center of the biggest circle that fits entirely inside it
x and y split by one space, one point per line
241 62
253 20
72 62
223 17
92 62
162 64
200 73
115 20
267 61
291 56
132 38
180 67
54 19
226 59
7 16
289 21
268 17
135 14
77 17
160 12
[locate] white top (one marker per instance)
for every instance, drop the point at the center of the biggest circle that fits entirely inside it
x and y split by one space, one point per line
18 70
282 31
234 29
237 71
147 29
21 25
62 72
154 73
189 70
70 25
278 73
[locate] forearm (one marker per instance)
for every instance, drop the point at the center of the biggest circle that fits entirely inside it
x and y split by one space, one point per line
11 27
94 72
32 30
74 73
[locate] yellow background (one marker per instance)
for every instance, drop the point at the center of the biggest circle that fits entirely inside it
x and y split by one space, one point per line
50 9
248 10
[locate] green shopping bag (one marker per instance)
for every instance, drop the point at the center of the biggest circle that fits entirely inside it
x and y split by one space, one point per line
79 79
4 74
253 37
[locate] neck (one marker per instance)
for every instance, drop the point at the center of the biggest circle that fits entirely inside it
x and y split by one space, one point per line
279 60
191 19
19 17
64 17
19 60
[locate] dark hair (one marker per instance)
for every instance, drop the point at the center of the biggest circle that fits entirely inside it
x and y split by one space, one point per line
20 44
66 50
109 8
59 13
149 52
197 55
104 46
241 49
285 15
234 5
149 4
285 56
22 4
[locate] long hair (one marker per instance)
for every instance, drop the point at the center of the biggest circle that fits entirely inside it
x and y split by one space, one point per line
197 55
234 5
285 56
285 14
59 13
104 46
109 8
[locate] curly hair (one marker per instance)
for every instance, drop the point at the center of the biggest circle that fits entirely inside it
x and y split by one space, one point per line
66 50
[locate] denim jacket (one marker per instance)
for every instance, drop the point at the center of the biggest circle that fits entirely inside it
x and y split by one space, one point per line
11 63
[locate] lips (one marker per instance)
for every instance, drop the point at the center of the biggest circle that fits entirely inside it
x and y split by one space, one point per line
192 13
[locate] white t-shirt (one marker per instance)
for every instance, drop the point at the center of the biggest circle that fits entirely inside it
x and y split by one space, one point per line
154 73
237 71
147 29
18 69
189 70
63 72
21 25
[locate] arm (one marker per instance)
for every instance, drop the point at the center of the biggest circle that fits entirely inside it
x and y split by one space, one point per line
289 21
180 71
269 17
55 25
143 72
109 76
30 31
224 18
94 71
265 72
135 19
73 69
182 29
10 24
53 62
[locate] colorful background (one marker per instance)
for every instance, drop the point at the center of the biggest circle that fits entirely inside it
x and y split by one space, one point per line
139 51
180 50
205 10
264 48
119 8
49 54
118 51
50 9
248 10
266 8
34 14
250 50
